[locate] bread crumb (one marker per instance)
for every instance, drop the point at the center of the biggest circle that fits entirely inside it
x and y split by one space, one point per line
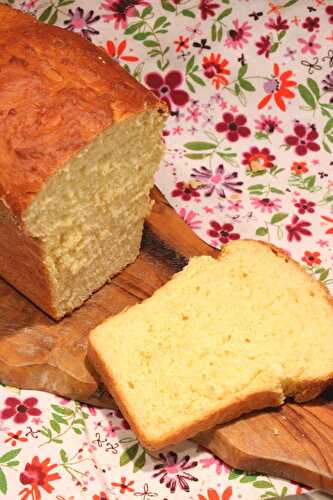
275 432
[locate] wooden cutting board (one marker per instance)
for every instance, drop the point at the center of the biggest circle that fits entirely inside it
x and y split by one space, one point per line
295 442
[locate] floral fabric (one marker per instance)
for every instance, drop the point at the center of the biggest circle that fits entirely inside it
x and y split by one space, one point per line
249 86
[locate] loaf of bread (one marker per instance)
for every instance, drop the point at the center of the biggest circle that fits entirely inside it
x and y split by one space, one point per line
79 145
224 337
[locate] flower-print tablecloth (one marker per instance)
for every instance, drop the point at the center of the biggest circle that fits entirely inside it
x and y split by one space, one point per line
249 85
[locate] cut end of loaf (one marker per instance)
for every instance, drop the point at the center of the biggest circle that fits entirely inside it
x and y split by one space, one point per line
222 338
89 216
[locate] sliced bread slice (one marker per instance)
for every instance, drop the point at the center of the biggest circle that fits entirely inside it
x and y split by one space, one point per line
222 338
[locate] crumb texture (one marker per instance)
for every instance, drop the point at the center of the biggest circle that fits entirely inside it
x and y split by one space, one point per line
217 333
89 216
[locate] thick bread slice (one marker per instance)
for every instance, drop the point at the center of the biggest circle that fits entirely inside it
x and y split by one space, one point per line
222 338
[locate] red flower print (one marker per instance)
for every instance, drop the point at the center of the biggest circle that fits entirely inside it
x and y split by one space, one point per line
123 486
181 43
174 472
311 258
264 45
234 126
277 24
299 167
213 495
207 8
238 36
101 496
258 159
278 87
305 206
120 10
117 52
311 23
328 219
215 68
14 437
223 233
329 12
185 190
37 474
303 140
298 228
166 88
20 410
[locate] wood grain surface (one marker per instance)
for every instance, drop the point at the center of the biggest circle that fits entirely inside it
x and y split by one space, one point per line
36 352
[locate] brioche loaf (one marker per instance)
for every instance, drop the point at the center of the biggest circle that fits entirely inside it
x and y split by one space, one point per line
223 337
79 145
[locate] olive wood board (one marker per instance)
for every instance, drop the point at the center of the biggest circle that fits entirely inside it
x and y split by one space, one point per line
36 352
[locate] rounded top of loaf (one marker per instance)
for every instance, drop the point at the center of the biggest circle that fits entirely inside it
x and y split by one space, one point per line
57 93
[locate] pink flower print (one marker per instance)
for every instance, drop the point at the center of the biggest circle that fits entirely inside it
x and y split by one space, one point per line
177 130
120 10
167 87
309 45
214 461
217 180
268 124
277 24
173 472
194 30
239 36
111 429
80 22
233 126
303 140
297 228
305 206
189 216
235 205
193 114
223 233
20 410
266 204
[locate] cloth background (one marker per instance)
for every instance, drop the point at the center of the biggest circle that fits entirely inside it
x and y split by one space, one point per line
249 85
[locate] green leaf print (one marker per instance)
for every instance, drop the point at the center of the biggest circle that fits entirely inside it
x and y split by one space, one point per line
261 231
3 482
262 484
129 454
248 478
234 474
199 145
140 462
278 217
313 86
307 96
63 456
9 456
187 13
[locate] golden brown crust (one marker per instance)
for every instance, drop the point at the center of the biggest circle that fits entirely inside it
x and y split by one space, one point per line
22 262
57 93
